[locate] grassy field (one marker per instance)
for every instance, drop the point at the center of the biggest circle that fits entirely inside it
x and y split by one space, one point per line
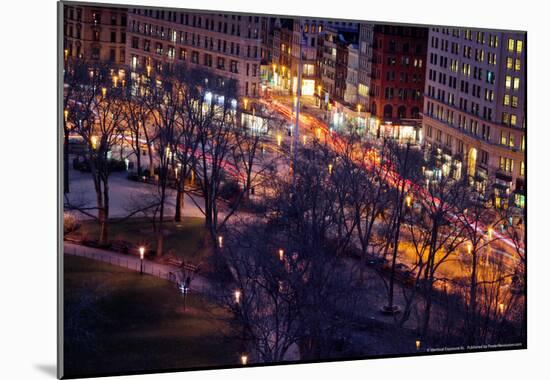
118 321
183 239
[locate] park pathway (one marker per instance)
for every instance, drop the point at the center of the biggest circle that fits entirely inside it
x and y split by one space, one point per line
168 272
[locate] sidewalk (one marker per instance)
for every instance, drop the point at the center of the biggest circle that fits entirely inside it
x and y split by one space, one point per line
165 271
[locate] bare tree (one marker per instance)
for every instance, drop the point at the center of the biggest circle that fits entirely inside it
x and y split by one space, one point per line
100 124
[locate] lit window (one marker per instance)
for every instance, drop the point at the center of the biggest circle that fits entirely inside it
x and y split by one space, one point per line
510 44
522 168
513 119
515 101
506 100
519 46
516 83
509 63
503 140
508 82
518 65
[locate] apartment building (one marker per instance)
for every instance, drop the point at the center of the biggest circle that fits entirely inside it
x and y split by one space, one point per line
95 33
229 45
474 107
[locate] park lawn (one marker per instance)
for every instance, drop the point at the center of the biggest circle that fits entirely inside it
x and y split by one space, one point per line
117 320
183 239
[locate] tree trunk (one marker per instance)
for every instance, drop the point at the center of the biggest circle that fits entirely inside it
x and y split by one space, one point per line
472 320
180 199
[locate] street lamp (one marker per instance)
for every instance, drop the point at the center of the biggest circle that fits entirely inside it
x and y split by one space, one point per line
281 254
220 241
148 70
103 91
417 344
305 139
279 139
244 359
490 232
245 103
237 296
184 288
329 168
93 140
469 248
141 255
115 80
501 308
408 200
65 114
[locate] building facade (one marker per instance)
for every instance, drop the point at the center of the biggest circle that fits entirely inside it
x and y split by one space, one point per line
397 80
95 33
474 107
364 69
227 45
351 92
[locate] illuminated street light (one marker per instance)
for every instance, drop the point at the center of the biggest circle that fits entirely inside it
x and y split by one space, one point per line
318 133
65 115
220 241
469 248
245 103
237 296
66 53
103 91
279 139
490 232
141 255
93 140
244 359
184 289
329 168
408 200
417 344
115 80
281 254
148 70
501 308
305 139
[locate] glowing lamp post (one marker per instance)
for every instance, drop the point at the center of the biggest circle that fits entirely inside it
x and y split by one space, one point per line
237 296
501 308
490 233
148 70
220 241
93 140
305 139
281 254
329 168
245 103
141 256
279 140
244 359
115 80
65 115
469 248
104 91
408 201
417 344
184 289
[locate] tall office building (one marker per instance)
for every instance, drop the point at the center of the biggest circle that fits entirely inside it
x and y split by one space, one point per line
474 107
229 45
